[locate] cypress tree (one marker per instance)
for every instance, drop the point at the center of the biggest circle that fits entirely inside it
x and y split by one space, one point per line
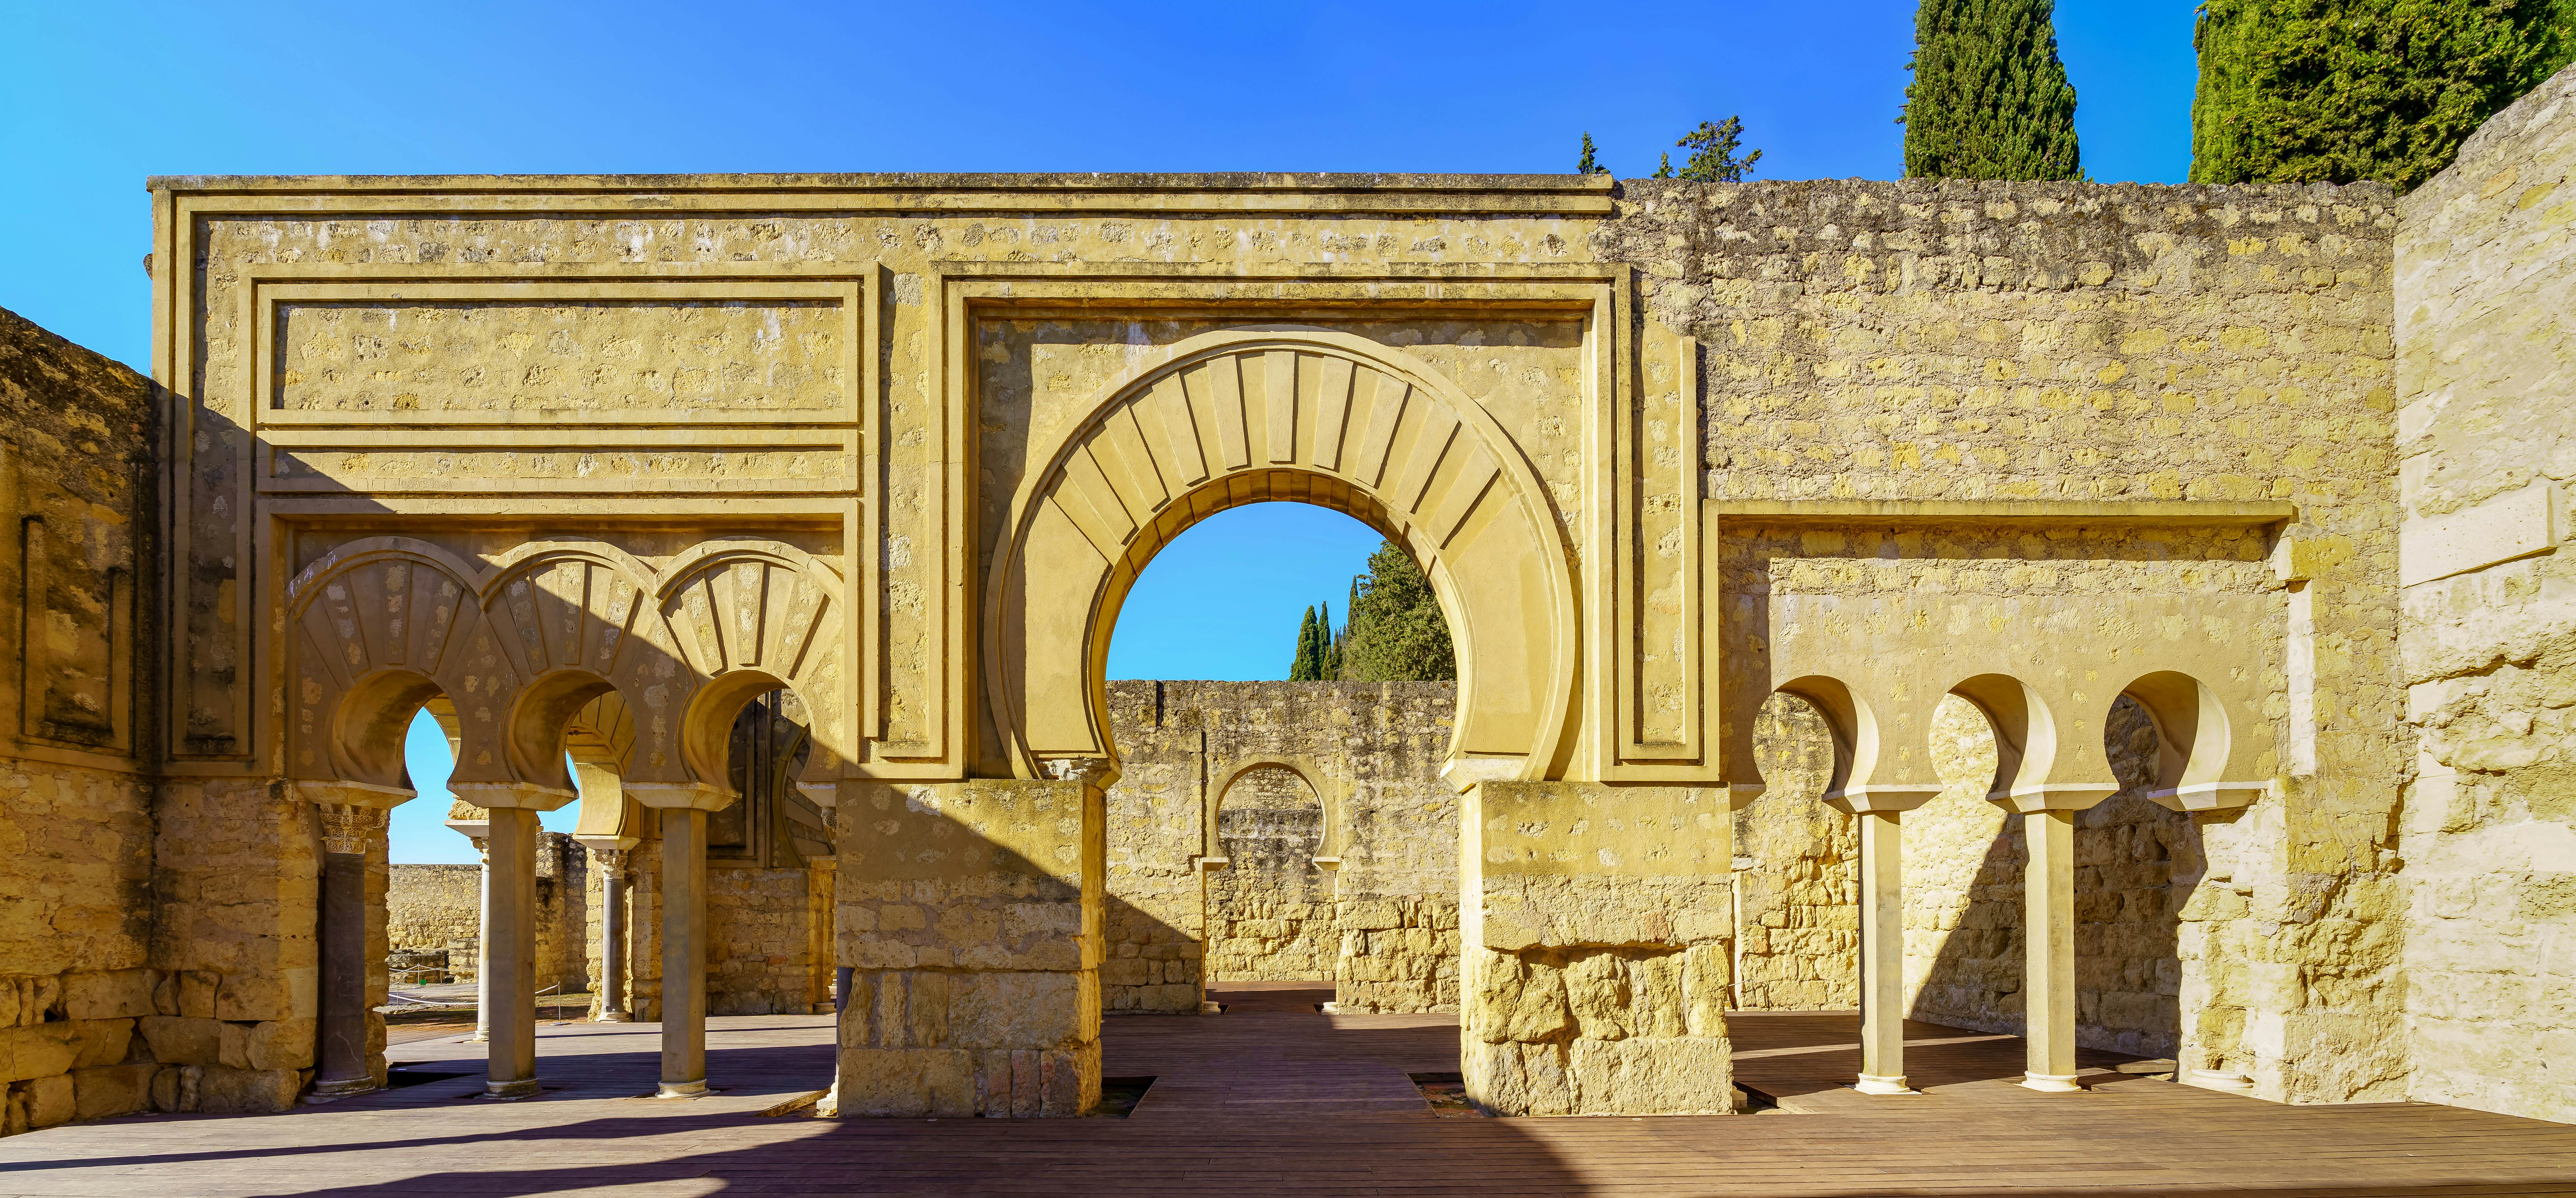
1328 665
1713 158
1990 98
1395 631
2304 91
1302 668
1589 165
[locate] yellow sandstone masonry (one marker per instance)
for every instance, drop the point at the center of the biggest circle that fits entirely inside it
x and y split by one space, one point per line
971 914
2127 613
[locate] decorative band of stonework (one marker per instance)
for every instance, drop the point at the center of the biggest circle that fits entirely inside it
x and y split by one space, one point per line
350 829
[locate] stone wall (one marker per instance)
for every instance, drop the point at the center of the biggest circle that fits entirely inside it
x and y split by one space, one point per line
434 907
1270 910
760 941
83 994
1378 916
1964 857
2487 346
1871 345
439 906
1797 880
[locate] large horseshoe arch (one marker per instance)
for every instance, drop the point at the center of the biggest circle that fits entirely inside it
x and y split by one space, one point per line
1279 413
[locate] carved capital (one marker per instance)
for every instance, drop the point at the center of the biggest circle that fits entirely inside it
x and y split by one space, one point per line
1090 771
612 860
349 827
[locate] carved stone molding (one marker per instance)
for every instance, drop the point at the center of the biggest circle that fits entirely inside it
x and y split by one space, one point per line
350 828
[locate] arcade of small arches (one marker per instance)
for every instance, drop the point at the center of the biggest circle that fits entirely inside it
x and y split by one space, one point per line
559 657
572 654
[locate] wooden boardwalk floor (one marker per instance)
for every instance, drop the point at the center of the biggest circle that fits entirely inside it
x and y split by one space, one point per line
1275 1098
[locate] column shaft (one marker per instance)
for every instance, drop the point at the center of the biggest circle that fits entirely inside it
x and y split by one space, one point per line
510 954
2048 931
1882 954
612 945
483 943
342 1068
684 953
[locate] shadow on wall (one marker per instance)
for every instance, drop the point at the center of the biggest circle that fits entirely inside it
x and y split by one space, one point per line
2135 865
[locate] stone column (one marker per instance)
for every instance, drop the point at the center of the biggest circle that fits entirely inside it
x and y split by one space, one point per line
1882 955
612 936
681 808
483 940
1594 960
509 985
352 817
2048 929
684 953
1879 811
2048 933
510 955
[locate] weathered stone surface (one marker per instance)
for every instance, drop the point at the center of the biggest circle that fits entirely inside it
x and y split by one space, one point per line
226 1090
1379 921
112 1090
2488 641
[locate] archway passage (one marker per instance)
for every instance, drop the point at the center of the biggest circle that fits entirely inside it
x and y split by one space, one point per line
1270 910
1273 414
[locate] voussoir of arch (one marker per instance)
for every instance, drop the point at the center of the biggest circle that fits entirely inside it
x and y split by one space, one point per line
374 625
747 614
1134 468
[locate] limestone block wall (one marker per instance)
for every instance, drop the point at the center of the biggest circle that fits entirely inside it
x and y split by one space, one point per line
1603 990
1270 910
2487 346
1797 879
80 981
1155 916
1873 344
970 916
439 906
760 942
2135 865
1380 918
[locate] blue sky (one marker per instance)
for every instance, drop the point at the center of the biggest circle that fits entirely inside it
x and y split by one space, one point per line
95 97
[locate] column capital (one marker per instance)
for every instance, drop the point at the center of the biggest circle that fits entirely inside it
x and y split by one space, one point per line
1090 771
340 793
1885 799
2210 796
522 796
2053 796
680 796
351 828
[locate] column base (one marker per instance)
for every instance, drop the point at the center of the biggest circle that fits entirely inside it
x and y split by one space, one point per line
1873 1084
2226 1080
327 1091
1211 1008
612 1017
477 1038
695 1089
2051 1083
510 1090
1332 1008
